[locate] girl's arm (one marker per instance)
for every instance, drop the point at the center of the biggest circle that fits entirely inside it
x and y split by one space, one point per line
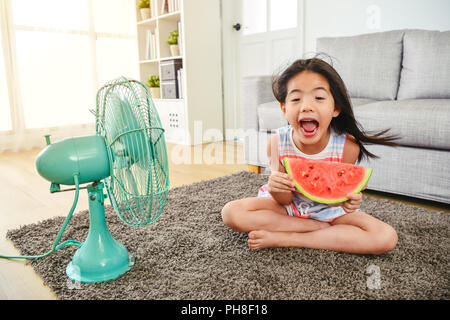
280 183
351 153
351 150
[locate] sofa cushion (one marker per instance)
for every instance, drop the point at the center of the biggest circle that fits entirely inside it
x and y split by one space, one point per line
419 123
369 64
270 116
426 65
358 101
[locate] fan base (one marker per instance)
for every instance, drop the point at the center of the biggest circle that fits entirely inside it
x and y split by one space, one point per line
74 274
101 257
99 260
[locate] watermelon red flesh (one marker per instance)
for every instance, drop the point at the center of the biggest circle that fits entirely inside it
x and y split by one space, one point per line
326 182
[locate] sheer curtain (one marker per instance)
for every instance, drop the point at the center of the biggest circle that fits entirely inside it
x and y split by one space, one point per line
55 55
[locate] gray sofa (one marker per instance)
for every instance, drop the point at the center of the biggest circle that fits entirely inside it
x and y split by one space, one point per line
396 79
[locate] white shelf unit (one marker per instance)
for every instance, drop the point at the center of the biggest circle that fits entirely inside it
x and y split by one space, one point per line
197 117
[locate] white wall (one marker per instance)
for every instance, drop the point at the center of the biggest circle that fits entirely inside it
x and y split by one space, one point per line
350 17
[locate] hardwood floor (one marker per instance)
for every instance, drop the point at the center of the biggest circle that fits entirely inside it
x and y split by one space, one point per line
25 199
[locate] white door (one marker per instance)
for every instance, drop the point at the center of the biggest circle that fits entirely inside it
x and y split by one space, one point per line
260 37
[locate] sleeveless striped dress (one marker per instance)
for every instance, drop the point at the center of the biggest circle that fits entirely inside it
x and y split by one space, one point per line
301 206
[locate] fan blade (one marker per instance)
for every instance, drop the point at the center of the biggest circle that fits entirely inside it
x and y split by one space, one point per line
128 120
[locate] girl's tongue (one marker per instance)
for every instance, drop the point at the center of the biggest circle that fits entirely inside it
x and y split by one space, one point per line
309 127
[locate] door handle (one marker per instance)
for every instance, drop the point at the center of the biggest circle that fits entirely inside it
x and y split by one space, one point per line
237 26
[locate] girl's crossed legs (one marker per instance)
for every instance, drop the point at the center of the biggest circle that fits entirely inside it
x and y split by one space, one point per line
269 225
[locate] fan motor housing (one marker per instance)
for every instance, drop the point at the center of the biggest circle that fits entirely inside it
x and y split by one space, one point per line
85 156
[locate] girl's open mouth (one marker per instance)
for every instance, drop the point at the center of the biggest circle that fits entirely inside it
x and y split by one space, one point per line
309 127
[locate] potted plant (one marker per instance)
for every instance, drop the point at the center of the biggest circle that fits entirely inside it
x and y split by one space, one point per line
153 83
144 9
172 40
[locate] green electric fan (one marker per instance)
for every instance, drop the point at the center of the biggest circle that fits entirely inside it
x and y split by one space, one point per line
128 156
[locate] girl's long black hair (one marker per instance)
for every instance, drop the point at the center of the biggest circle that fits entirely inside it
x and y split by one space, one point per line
345 122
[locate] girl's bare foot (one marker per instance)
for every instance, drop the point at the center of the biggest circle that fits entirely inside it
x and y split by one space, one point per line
263 239
259 239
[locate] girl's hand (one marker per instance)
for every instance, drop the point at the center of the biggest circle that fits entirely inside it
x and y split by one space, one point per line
354 202
280 182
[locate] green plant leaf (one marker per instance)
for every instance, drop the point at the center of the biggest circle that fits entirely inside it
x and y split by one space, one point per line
173 37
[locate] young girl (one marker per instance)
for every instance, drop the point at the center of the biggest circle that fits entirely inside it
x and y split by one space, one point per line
314 101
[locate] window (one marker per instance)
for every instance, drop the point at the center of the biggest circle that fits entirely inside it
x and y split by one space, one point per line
5 112
55 78
116 54
254 15
69 14
282 15
63 56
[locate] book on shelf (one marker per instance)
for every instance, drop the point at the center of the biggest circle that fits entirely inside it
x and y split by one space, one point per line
153 9
169 6
174 5
180 76
180 38
165 7
151 46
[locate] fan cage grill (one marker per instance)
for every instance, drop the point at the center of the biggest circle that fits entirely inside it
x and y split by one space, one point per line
127 119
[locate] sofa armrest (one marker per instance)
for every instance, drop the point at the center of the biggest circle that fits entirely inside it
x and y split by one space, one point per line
254 91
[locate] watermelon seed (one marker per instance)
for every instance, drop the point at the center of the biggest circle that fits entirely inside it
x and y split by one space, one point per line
311 167
316 178
340 173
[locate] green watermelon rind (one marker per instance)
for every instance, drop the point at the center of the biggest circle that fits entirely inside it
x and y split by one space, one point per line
358 189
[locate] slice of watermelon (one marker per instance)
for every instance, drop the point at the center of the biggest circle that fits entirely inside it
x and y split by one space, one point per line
326 182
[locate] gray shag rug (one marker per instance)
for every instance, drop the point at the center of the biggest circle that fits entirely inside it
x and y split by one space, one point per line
189 254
